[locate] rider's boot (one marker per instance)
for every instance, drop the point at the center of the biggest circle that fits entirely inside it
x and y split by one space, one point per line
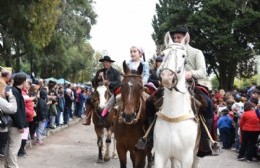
205 145
104 112
150 136
150 111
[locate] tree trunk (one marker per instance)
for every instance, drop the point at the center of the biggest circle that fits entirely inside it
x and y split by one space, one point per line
17 68
7 50
227 73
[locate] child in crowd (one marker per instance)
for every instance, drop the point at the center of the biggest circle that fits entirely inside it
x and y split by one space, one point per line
60 107
53 113
225 128
42 115
136 54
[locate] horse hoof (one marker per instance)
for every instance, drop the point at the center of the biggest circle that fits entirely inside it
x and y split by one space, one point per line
106 159
100 161
114 156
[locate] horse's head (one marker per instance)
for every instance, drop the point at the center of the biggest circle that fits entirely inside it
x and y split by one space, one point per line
132 90
101 96
172 68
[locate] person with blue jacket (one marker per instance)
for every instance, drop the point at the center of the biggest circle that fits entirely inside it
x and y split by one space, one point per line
225 128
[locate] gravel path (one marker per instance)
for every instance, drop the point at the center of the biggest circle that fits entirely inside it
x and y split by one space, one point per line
75 147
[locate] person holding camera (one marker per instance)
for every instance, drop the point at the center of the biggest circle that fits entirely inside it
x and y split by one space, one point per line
7 108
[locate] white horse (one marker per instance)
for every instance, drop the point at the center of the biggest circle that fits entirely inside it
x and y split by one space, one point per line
176 130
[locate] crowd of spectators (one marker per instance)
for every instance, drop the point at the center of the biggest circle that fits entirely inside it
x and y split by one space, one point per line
35 107
237 121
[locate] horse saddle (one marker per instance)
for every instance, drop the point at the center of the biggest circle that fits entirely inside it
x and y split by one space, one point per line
149 88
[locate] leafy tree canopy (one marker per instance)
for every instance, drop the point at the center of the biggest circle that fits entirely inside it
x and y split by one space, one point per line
226 31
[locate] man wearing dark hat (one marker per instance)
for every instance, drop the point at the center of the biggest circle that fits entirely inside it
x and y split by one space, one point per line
196 66
109 75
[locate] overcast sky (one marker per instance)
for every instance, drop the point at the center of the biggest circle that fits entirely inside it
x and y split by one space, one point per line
122 24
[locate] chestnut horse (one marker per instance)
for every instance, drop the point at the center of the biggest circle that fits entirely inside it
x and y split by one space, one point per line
100 98
130 122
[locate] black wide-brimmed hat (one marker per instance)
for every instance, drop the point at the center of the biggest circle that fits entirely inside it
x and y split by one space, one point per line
180 29
106 58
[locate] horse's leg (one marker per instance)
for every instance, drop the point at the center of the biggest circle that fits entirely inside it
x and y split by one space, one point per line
172 163
159 160
195 163
140 159
108 142
187 159
100 133
175 163
149 157
121 150
132 156
114 154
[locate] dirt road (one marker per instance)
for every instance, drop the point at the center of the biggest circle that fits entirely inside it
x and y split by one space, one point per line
75 147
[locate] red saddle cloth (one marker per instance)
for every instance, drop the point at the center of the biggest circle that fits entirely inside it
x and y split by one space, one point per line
150 89
203 89
117 91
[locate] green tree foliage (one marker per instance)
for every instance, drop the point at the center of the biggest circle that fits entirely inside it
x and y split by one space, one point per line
50 35
25 25
69 52
43 16
226 31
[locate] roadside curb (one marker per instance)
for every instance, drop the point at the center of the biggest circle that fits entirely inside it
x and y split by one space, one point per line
62 127
51 132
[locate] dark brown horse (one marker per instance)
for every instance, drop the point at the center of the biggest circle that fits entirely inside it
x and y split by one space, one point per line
100 98
130 122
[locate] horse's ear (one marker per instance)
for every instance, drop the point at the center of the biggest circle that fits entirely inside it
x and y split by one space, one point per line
140 69
186 39
167 39
126 68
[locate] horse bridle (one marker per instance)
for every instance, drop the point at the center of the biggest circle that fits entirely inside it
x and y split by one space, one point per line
133 75
96 101
138 113
174 80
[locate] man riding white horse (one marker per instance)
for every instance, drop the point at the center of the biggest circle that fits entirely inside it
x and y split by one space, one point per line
195 69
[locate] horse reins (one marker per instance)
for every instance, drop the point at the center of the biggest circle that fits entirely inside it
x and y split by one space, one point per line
174 81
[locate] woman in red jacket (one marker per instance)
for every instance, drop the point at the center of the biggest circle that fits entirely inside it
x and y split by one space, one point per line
250 129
